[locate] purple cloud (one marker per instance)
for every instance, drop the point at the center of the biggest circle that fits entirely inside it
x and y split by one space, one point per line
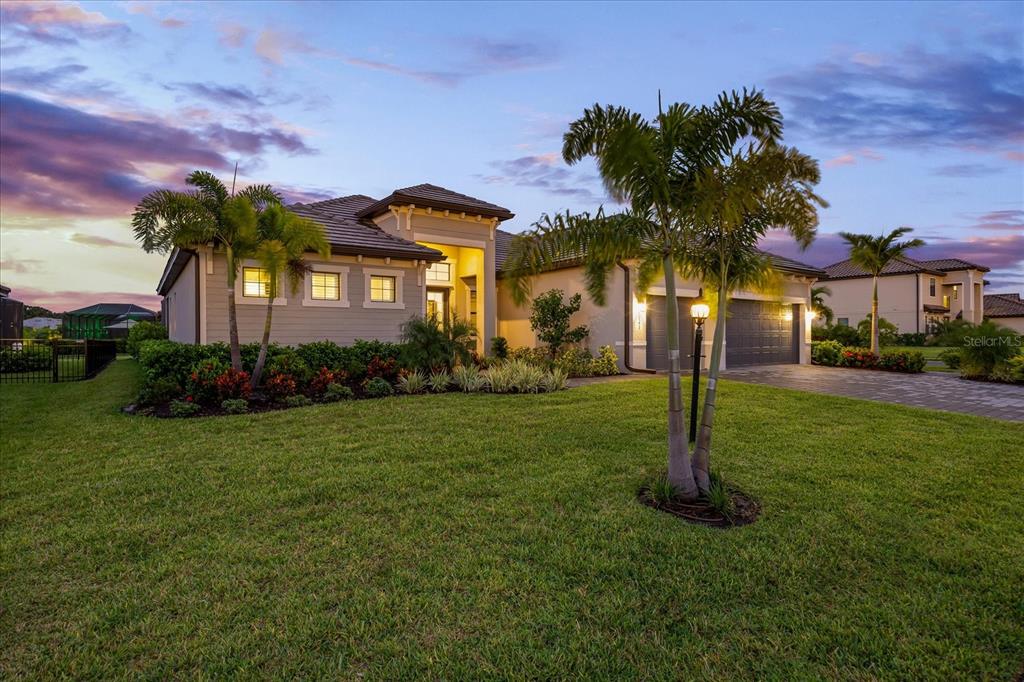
545 172
226 95
94 240
58 23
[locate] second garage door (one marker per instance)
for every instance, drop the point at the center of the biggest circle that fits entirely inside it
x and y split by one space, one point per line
761 333
657 338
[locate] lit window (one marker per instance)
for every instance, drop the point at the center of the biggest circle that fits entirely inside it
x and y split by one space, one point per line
325 286
439 272
382 289
945 301
255 282
956 293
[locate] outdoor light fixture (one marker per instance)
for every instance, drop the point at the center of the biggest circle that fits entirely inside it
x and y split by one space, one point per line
811 314
699 313
788 314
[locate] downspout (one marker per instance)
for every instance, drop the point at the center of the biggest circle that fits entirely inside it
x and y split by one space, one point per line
198 312
627 350
917 310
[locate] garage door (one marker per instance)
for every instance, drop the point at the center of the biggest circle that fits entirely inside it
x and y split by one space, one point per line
761 333
657 338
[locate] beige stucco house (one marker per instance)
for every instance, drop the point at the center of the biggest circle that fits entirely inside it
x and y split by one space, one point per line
426 249
912 294
1006 309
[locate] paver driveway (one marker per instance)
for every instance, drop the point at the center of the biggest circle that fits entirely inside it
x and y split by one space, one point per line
936 390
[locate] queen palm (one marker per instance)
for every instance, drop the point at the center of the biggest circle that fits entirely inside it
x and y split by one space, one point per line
762 186
872 254
651 166
818 304
283 238
191 219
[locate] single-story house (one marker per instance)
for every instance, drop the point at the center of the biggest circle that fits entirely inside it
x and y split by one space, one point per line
1006 309
12 313
104 320
426 249
915 295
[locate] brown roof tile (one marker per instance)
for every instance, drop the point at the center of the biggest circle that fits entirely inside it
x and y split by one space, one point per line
1003 305
436 197
846 269
951 264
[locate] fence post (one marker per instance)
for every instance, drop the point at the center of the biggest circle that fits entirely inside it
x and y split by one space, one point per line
54 361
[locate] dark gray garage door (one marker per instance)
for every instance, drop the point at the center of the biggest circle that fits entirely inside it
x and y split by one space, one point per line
657 339
758 333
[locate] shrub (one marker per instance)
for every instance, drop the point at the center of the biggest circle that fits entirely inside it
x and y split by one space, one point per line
35 357
160 391
911 339
336 392
279 386
288 361
121 345
826 353
951 356
902 361
661 491
574 361
951 333
534 356
986 346
887 332
184 408
843 334
429 344
1011 371
439 381
606 363
412 382
499 378
468 378
324 378
235 405
358 356
378 387
322 354
719 498
202 380
554 380
162 359
499 347
550 319
859 357
298 400
232 384
143 331
382 368
527 378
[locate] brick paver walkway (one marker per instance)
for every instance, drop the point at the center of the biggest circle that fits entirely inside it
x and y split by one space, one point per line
935 390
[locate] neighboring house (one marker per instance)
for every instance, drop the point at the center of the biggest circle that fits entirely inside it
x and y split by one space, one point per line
426 249
103 320
43 322
915 295
12 314
1006 309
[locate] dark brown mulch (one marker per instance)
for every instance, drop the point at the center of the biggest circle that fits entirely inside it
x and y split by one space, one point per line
745 509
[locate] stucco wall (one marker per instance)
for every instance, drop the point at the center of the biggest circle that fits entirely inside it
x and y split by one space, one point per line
1014 323
897 301
294 322
179 306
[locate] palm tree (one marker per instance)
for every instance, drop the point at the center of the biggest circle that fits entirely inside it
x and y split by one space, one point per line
652 167
761 187
818 304
283 238
872 254
166 218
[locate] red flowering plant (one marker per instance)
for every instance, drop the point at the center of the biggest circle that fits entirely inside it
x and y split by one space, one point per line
202 379
233 384
386 368
902 361
862 358
279 386
324 378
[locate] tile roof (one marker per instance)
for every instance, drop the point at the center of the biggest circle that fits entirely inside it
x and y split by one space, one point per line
111 309
846 269
951 264
436 197
349 234
1003 305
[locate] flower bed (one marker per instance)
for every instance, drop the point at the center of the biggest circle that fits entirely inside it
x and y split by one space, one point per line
832 354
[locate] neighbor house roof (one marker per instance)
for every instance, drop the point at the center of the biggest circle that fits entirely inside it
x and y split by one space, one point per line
432 196
1003 305
951 264
846 269
503 247
111 309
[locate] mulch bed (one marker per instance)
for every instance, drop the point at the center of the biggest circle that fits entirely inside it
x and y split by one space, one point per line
746 510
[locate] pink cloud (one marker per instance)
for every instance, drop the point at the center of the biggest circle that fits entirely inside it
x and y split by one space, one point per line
850 158
842 160
232 35
62 301
273 45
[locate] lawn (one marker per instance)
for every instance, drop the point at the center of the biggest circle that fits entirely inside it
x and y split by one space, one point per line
478 536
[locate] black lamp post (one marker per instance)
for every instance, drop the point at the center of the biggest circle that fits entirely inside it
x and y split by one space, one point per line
699 312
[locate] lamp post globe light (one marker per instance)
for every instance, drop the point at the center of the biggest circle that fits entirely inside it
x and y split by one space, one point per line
699 312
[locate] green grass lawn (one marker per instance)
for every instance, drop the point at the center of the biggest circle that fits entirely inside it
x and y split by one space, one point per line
479 536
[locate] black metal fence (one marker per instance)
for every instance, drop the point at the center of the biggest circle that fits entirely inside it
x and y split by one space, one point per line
43 361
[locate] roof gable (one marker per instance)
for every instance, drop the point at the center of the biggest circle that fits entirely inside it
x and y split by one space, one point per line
437 197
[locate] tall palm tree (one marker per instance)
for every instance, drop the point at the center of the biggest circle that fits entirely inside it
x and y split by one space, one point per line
762 186
872 254
207 214
651 166
818 304
283 238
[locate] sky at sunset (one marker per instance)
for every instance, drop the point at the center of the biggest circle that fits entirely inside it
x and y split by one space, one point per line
915 111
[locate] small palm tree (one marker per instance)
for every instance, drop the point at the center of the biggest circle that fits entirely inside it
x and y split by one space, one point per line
166 218
433 345
872 254
653 167
283 238
818 304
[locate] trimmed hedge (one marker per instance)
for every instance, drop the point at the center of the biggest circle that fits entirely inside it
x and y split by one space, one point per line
833 354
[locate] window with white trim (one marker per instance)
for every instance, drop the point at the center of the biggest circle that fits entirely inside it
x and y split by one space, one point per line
382 289
931 286
325 286
255 282
439 272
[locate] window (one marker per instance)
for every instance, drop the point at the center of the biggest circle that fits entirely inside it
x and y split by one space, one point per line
945 301
439 272
931 286
843 321
382 289
956 293
325 286
255 283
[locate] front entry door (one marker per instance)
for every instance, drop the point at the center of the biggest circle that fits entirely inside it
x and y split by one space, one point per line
437 303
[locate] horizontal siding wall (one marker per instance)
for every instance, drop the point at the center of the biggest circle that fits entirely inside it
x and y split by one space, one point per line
180 305
294 323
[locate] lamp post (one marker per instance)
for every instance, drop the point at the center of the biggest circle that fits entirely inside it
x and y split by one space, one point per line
699 312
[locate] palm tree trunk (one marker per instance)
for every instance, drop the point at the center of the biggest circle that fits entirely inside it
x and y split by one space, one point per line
874 315
261 360
680 469
236 352
702 449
